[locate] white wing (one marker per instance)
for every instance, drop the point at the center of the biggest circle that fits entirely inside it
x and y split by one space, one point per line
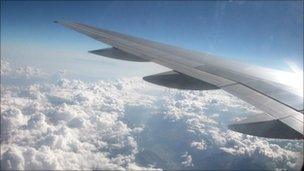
200 71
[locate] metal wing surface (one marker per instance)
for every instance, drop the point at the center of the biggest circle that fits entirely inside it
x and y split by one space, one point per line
283 106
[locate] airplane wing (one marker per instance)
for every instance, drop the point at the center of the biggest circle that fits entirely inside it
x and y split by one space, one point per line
283 117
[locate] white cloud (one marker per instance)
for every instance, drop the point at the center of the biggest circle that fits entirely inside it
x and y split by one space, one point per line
191 108
72 124
5 67
25 75
187 160
198 145
69 125
28 72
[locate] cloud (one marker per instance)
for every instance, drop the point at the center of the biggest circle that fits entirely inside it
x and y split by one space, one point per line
127 124
25 71
5 68
196 111
198 145
21 76
67 125
28 72
187 160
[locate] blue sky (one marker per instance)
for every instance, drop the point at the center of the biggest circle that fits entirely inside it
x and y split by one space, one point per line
263 33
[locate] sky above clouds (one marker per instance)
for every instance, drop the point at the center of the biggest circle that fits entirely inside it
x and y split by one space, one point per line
264 33
63 108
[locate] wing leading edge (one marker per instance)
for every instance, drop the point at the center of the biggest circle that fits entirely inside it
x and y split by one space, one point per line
282 107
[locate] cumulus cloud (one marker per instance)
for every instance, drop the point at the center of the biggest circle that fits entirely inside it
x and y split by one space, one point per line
198 145
24 71
20 76
127 124
196 111
67 125
187 160
5 68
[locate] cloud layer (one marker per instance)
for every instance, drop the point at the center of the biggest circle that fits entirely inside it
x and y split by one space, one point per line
126 124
